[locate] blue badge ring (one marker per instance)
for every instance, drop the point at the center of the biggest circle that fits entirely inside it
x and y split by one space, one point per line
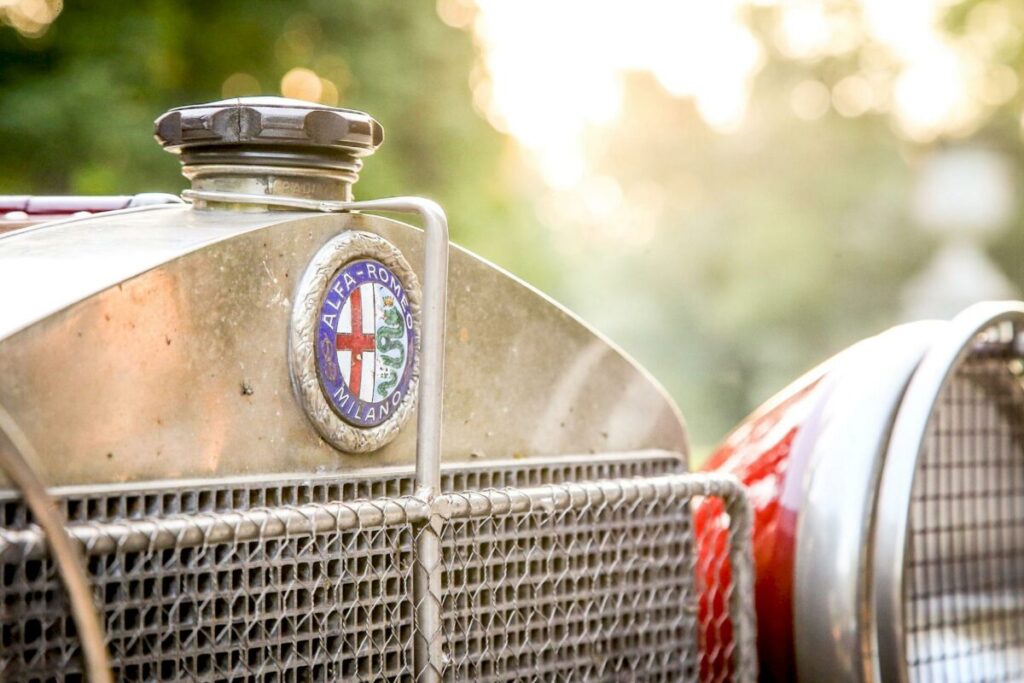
354 341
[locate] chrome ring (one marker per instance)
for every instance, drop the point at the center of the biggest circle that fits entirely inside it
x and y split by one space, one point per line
906 444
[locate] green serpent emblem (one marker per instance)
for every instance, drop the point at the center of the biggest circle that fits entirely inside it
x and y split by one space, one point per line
388 340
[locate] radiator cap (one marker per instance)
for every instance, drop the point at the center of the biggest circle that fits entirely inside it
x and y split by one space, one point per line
270 145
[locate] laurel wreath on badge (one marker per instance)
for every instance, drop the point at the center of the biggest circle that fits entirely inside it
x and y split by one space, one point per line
354 341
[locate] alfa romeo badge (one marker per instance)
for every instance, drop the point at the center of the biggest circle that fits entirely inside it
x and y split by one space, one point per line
354 341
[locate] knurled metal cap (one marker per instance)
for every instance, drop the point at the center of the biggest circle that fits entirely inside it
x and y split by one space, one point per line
269 131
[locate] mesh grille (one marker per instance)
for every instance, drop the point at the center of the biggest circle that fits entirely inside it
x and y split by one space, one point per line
964 591
275 582
589 593
278 609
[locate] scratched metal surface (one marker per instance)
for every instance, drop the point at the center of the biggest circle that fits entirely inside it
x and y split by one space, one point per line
181 371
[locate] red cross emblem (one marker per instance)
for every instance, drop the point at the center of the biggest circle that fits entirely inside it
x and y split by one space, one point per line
358 342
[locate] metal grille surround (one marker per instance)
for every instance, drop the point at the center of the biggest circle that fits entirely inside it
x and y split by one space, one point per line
585 580
964 588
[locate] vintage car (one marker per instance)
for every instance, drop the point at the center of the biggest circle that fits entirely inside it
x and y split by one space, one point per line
265 433
261 432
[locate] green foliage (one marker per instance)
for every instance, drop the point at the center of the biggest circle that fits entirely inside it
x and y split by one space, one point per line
78 102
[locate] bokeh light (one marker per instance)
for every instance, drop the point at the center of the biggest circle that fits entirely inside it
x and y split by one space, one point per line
240 85
658 143
302 84
547 88
30 17
810 100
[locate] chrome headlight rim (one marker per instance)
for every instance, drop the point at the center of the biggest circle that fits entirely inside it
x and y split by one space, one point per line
906 444
841 448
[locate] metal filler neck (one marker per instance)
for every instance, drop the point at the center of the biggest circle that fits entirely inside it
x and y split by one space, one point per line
270 146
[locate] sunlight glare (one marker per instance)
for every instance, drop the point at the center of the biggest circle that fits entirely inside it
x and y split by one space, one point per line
553 75
931 94
547 87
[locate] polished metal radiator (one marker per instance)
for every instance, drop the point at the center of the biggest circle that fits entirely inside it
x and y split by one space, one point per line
595 569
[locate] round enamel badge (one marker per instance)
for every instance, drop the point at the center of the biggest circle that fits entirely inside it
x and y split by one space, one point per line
354 341
364 340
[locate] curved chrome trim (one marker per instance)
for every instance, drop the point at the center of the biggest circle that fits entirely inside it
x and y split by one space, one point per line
839 449
905 446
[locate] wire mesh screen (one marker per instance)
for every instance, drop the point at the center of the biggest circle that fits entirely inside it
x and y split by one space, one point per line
584 581
586 593
289 594
964 591
599 581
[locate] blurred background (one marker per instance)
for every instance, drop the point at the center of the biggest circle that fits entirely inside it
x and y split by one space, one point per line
732 190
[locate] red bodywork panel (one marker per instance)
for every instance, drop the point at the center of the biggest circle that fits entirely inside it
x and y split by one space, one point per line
760 454
61 206
19 211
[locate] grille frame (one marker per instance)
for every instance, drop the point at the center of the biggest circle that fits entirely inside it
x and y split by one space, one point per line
991 330
555 497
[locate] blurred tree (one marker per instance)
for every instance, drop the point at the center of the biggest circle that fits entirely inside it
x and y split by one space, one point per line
79 96
730 260
779 245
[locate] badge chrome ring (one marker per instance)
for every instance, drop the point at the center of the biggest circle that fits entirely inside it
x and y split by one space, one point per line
325 265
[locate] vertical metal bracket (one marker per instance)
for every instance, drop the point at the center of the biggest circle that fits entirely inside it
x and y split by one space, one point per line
741 605
428 655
